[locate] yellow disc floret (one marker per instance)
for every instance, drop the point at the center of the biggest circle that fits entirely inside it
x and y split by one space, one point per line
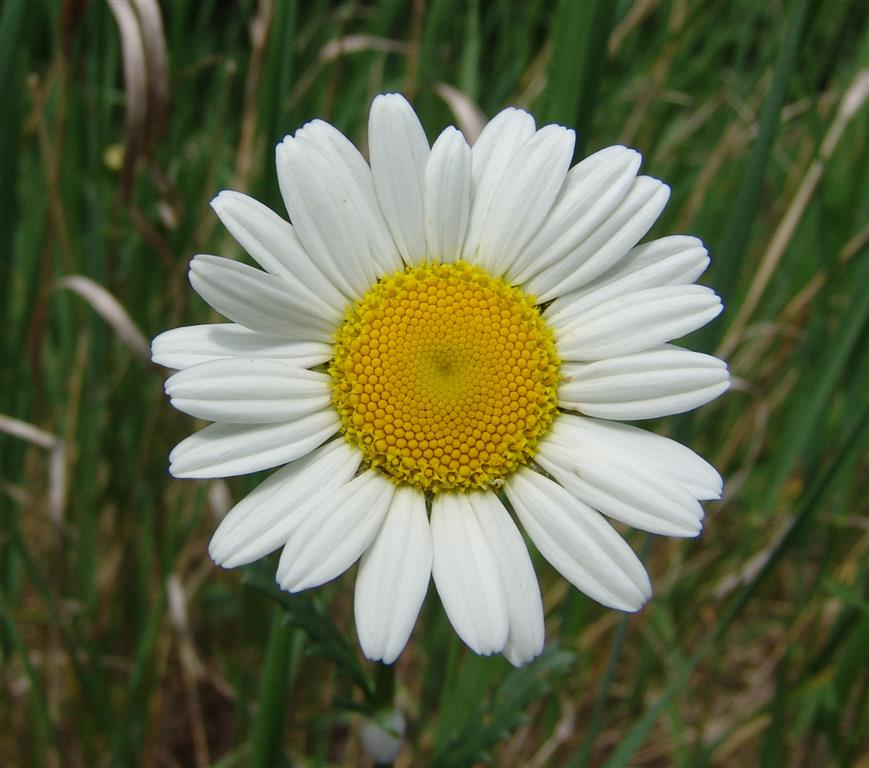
445 377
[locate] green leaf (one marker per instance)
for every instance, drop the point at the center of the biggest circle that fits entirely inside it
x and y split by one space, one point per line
505 711
326 638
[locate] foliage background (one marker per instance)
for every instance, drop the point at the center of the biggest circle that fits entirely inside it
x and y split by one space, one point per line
121 644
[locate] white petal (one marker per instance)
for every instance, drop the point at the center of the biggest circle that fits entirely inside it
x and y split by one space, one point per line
259 301
399 152
641 447
263 520
335 533
492 154
615 480
447 195
353 170
646 385
521 590
631 495
249 391
393 577
674 260
466 575
578 542
498 142
524 196
273 243
591 192
606 245
182 347
636 322
329 220
225 450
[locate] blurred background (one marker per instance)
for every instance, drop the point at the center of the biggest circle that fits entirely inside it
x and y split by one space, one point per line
122 645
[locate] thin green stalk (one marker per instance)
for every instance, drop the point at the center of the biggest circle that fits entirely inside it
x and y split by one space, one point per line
731 251
384 687
271 718
580 34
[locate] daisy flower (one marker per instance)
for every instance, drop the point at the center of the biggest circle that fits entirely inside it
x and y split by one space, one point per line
437 346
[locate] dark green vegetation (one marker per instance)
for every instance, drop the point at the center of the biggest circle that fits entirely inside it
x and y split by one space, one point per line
121 644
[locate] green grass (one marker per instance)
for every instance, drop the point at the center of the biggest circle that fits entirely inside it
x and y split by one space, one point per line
122 645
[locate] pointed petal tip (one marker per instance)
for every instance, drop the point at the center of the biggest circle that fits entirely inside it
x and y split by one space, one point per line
283 147
620 155
686 530
224 557
663 190
372 654
157 353
382 650
632 606
397 103
517 661
220 552
180 471
220 200
633 598
198 260
392 96
519 657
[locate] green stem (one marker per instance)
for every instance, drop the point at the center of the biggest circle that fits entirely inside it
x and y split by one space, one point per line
384 687
268 726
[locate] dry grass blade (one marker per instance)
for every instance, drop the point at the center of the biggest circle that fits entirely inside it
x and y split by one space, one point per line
56 460
135 87
110 309
25 431
219 499
259 34
468 115
334 50
157 68
341 46
634 18
57 481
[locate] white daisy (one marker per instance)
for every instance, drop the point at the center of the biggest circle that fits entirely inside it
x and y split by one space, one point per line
447 332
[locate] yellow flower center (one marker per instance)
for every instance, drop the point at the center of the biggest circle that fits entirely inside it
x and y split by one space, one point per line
445 377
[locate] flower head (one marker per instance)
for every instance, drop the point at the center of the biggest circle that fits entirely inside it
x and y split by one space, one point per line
435 339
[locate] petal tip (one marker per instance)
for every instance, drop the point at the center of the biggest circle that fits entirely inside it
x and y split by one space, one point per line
220 199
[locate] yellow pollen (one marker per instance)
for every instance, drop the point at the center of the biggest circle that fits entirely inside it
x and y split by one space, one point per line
445 377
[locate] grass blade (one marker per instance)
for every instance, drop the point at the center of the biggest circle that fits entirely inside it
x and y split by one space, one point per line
731 251
268 725
580 34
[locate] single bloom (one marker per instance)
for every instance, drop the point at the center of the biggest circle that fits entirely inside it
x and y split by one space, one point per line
437 346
